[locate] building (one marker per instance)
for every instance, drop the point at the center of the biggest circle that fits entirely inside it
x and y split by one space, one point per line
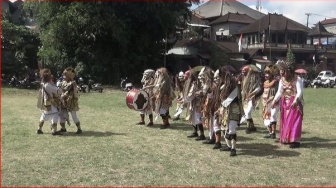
226 17
226 26
213 9
325 44
330 25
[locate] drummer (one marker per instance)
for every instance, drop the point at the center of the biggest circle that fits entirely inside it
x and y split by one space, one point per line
147 85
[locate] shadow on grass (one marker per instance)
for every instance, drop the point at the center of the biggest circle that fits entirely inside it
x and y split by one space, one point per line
93 133
265 150
317 142
181 126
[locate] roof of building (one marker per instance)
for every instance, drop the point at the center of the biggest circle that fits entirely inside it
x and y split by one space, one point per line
231 46
197 19
328 21
320 30
233 17
215 8
277 22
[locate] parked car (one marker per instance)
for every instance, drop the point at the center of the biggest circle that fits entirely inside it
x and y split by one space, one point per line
327 74
318 82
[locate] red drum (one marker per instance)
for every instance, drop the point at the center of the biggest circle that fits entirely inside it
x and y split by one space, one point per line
137 99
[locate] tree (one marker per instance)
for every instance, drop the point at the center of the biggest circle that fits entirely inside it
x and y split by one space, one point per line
108 39
290 57
19 47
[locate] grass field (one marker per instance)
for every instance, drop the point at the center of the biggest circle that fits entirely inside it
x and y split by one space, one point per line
113 151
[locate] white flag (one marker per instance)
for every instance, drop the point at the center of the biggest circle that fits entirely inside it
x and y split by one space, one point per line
240 43
314 58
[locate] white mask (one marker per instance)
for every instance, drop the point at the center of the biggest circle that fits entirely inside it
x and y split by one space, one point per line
216 77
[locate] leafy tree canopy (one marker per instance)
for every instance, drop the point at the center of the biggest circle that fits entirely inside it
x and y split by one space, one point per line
106 40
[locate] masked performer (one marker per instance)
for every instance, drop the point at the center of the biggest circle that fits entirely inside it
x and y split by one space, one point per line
213 102
230 111
250 88
147 85
270 88
290 94
70 100
197 88
163 93
208 111
48 102
179 85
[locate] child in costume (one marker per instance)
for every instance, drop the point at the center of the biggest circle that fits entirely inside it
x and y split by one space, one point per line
70 100
48 102
270 88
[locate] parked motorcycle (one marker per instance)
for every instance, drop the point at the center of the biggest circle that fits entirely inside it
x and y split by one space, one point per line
13 82
95 86
328 83
83 88
317 82
125 84
28 84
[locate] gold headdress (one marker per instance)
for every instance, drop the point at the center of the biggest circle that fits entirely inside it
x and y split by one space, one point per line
271 69
281 64
70 73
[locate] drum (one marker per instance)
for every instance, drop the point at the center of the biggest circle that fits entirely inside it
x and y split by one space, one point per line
137 99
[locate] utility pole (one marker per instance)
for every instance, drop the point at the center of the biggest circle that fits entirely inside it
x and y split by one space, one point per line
258 5
165 51
308 14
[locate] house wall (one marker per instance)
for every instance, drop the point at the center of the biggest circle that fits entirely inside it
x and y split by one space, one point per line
229 29
331 28
215 28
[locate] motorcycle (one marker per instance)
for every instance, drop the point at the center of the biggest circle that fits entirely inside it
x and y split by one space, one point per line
328 83
14 82
125 85
83 88
316 83
95 86
26 83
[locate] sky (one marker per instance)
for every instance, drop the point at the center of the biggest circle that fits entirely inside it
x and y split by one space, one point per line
295 9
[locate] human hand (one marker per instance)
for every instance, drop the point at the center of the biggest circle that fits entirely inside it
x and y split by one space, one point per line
250 96
273 104
294 104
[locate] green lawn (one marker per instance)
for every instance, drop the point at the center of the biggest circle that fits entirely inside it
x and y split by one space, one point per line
113 151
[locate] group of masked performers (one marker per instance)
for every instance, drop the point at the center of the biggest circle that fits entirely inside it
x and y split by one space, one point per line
159 87
214 104
56 103
220 102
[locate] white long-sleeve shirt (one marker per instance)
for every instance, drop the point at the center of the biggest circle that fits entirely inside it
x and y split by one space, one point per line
299 90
